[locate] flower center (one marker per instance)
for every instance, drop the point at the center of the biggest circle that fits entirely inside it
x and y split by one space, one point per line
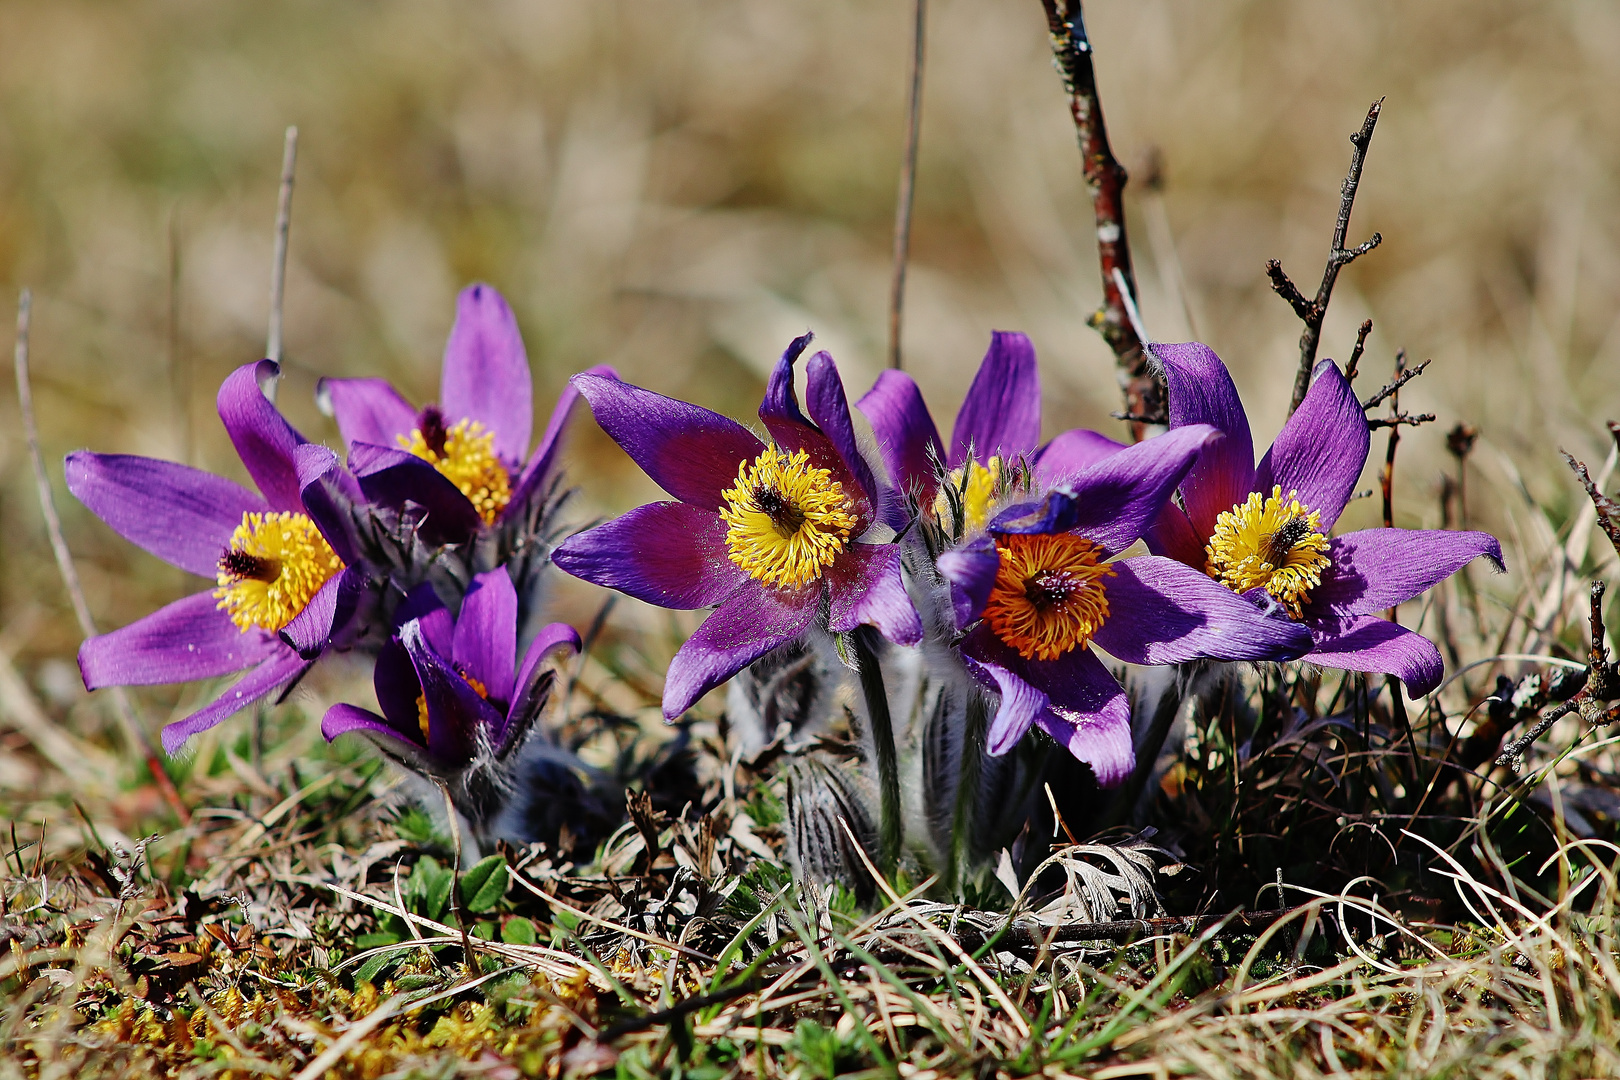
1048 598
976 487
421 701
276 563
1276 544
465 454
786 519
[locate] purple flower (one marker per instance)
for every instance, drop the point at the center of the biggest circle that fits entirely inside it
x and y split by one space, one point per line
462 459
284 571
770 535
1264 530
1038 589
449 692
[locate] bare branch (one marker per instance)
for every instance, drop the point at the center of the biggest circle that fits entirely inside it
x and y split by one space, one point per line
1105 176
1315 311
1400 420
278 270
64 561
1393 387
908 184
1608 512
1350 369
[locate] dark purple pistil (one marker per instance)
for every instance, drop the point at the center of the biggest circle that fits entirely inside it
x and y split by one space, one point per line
1049 589
787 517
241 566
1281 542
434 433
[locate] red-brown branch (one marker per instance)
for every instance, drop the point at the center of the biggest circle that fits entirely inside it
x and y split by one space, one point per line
1105 176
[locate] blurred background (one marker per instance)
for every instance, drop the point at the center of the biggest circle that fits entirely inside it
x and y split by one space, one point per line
677 187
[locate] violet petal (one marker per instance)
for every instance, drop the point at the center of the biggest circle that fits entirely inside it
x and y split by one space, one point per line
310 631
1320 452
485 643
275 672
263 439
1376 569
1161 612
1018 705
1059 460
752 621
486 372
1101 739
539 465
1202 392
534 682
864 586
781 404
398 689
829 408
690 452
1171 535
1001 414
670 554
971 572
393 478
188 639
1369 643
182 515
341 719
457 716
904 431
366 410
329 492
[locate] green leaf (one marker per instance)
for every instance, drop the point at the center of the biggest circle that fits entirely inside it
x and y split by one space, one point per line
372 969
483 930
430 884
519 931
377 940
484 883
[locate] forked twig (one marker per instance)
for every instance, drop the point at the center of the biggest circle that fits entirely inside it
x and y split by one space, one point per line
70 574
908 183
1608 512
1105 176
1312 311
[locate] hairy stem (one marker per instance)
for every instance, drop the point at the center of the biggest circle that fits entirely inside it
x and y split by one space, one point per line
877 709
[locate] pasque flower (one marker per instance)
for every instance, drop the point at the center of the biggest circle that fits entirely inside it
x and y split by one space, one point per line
1042 585
775 536
1263 530
284 576
463 458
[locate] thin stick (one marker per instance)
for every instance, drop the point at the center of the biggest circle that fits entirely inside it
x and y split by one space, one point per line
1105 176
1313 312
908 185
64 562
179 376
278 271
1386 479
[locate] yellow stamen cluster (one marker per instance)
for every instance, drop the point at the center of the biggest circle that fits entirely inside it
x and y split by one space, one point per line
468 460
978 493
1275 543
1048 598
276 563
421 701
787 520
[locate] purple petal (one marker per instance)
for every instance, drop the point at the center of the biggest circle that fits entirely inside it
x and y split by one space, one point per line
1368 643
457 716
864 586
366 410
1321 450
971 572
485 642
753 621
1101 739
279 670
328 611
1018 706
669 554
1376 569
905 432
423 605
263 439
342 719
182 515
829 408
1202 392
1161 612
391 477
328 492
690 452
539 465
398 688
533 683
1112 501
188 639
486 372
781 404
1171 535
1001 414
1059 460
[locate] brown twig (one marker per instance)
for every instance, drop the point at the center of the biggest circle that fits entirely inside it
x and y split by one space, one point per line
1401 419
1105 176
1386 479
70 574
908 183
1602 686
1393 387
278 270
1608 512
1313 311
1351 369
